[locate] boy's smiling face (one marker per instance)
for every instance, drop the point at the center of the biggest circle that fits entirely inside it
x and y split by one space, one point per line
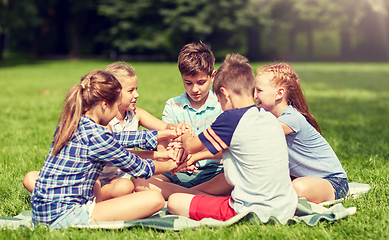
197 88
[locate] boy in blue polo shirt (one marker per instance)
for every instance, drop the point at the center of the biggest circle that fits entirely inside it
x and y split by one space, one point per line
197 107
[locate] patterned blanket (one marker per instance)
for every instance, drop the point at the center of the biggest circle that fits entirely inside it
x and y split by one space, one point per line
306 212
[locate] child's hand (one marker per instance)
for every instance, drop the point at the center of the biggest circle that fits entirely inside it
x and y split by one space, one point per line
184 157
172 165
166 134
177 147
170 126
164 154
185 166
183 128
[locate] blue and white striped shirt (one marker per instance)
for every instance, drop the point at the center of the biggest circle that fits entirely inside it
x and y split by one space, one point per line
67 179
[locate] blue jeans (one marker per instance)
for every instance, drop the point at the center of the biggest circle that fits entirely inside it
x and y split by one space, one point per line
77 215
340 185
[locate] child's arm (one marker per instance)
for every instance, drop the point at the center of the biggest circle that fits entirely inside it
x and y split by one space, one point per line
286 128
203 155
144 139
163 167
192 143
167 134
161 155
192 159
149 121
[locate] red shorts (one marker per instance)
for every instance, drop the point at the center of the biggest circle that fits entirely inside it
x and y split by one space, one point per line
211 207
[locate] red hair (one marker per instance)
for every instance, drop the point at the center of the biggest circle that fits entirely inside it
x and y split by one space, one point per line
284 76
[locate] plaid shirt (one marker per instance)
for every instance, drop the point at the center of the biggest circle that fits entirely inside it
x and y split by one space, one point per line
179 110
67 179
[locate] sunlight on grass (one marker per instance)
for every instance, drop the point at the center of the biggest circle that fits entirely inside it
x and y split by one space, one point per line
350 102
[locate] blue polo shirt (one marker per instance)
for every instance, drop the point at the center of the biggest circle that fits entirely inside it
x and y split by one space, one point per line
179 110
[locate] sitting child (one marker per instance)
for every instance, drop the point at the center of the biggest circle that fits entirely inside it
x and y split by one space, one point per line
314 167
198 108
64 191
114 182
255 156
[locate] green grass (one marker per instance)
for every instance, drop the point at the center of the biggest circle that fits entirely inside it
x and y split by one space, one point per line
349 100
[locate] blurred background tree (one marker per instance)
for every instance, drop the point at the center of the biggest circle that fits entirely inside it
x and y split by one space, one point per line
291 30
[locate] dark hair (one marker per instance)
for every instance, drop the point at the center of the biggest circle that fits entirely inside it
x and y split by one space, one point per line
195 58
94 87
235 74
286 77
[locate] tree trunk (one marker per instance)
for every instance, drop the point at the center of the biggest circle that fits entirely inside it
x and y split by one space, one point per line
292 45
36 49
2 37
310 42
345 49
254 52
75 47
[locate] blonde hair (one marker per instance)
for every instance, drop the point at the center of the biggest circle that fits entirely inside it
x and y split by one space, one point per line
94 87
235 74
120 70
286 77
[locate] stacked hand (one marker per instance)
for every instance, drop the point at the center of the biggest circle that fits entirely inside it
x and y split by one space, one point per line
180 156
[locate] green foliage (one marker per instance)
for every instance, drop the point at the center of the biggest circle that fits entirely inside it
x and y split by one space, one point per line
157 29
349 101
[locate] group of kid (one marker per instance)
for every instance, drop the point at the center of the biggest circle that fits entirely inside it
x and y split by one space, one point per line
215 153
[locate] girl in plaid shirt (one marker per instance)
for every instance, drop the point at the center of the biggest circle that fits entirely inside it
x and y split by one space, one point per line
63 195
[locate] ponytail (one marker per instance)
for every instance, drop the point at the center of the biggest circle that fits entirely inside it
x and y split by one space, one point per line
94 87
70 115
286 77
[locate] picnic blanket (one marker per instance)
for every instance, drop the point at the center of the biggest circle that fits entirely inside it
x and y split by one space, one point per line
306 212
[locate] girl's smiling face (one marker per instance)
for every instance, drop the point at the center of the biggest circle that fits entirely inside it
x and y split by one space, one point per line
265 92
129 93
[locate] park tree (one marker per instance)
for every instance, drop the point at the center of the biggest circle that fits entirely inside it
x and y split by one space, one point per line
364 23
135 27
352 19
163 27
69 27
306 16
257 19
221 24
18 19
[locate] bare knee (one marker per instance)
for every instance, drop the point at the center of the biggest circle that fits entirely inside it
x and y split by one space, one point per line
179 204
172 203
155 199
30 179
122 187
300 188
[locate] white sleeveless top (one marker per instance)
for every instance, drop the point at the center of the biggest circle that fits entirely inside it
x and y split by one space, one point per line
130 124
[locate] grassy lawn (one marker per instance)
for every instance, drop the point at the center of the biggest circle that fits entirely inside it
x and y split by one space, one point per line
349 100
